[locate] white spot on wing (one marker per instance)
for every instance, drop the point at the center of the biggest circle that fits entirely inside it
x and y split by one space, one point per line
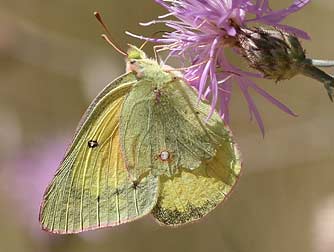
164 155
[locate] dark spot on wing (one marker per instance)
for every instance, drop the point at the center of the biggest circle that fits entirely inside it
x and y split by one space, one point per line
135 184
157 93
92 144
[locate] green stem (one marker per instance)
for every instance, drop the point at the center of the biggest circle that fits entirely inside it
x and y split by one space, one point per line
317 74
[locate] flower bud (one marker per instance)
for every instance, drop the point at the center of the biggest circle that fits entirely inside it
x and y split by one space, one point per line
277 54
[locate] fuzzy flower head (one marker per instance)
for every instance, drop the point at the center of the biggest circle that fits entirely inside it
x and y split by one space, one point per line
202 32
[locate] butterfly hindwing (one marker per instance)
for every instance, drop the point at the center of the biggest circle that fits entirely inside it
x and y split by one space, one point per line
91 188
190 195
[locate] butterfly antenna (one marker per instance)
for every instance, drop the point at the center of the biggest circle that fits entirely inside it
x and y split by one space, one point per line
107 37
144 44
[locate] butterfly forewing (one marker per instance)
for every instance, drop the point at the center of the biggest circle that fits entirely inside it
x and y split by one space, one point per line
92 188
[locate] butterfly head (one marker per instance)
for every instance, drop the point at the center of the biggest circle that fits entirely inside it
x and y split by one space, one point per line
134 53
135 58
142 66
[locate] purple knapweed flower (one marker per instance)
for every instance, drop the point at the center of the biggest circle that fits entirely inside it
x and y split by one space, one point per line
202 32
30 172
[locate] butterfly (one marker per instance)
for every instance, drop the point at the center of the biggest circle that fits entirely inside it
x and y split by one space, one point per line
144 145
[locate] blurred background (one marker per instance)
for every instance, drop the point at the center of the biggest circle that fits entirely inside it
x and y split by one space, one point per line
53 62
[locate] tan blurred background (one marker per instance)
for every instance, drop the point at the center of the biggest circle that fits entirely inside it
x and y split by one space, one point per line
53 62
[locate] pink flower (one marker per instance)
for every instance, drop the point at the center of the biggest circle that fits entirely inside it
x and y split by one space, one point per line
31 172
204 29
